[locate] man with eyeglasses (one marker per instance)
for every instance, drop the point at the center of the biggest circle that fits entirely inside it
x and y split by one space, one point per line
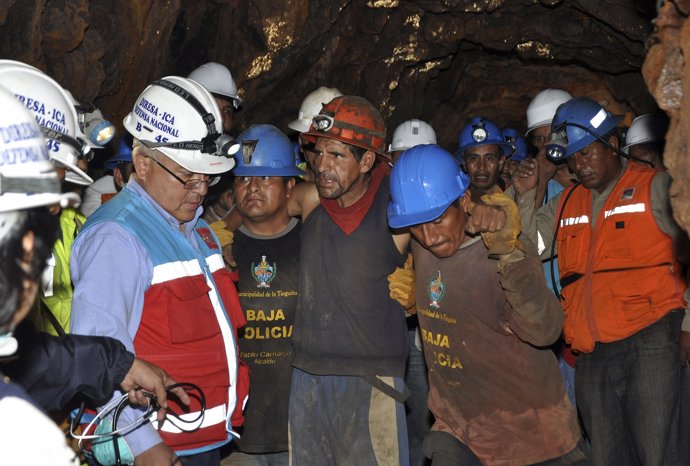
167 295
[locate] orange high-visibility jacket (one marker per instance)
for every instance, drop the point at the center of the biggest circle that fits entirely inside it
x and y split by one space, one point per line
622 275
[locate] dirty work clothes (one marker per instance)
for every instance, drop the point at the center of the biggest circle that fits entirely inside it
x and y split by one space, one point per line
346 322
493 383
268 270
343 420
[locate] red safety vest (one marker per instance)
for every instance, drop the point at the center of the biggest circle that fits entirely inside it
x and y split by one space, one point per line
179 331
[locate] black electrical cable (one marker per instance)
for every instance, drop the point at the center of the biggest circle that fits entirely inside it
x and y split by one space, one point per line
556 289
152 408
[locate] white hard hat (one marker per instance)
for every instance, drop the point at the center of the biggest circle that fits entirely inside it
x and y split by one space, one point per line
27 177
218 80
646 128
180 118
53 110
542 108
311 106
412 133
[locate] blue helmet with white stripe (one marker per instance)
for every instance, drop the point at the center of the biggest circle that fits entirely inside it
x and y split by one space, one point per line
576 124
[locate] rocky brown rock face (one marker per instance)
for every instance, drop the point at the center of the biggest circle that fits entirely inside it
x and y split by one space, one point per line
666 73
444 61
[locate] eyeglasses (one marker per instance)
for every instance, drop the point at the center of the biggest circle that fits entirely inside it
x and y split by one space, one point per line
194 183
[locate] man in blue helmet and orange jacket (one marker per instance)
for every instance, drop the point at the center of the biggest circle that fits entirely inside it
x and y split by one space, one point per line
486 317
622 289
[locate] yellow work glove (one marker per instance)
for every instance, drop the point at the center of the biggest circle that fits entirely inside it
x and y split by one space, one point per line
224 236
401 284
503 241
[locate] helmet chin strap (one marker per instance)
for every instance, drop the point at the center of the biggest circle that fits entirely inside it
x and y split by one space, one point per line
79 145
559 144
213 143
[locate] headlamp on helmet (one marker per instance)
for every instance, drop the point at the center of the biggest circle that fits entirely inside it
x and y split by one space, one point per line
556 148
479 133
97 129
323 123
248 148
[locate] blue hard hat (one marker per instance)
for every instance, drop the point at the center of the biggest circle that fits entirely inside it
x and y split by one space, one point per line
424 182
265 151
124 154
481 132
518 142
576 124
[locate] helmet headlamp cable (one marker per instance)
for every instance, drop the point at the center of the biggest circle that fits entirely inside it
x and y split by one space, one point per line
79 145
555 150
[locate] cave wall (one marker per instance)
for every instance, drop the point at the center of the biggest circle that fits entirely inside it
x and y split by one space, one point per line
443 61
668 77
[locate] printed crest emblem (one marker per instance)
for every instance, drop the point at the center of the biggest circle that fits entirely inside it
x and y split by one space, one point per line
436 290
264 273
628 194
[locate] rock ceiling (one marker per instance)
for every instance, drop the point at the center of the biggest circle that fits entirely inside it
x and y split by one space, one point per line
440 60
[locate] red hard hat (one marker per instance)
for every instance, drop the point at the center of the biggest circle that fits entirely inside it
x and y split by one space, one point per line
352 120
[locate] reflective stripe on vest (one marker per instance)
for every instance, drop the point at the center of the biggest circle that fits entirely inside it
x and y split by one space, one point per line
625 209
574 220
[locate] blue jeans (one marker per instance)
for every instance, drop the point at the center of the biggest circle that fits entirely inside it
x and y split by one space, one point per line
628 396
419 418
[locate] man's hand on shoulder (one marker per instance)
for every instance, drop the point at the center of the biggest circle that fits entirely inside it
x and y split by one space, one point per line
401 285
226 236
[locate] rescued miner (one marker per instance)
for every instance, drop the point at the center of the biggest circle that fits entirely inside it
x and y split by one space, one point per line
487 318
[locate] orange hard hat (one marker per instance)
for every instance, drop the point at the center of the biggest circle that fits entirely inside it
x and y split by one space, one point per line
352 120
